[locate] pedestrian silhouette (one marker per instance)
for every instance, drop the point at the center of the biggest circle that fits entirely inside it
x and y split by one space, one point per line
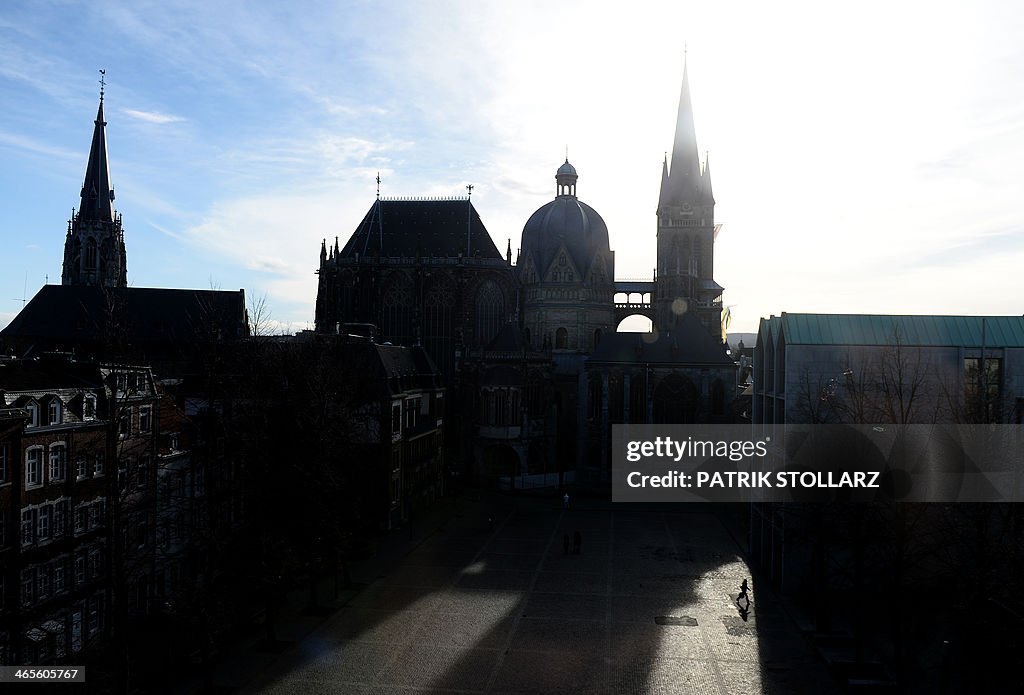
744 607
490 522
577 541
565 544
565 501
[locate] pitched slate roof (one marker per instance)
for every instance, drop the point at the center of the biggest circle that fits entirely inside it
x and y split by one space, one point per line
388 365
876 329
48 374
403 228
688 344
68 316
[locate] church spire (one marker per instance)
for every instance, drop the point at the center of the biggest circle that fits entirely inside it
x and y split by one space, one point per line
707 178
664 195
684 174
94 252
97 193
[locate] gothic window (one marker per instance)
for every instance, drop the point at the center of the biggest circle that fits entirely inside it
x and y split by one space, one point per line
637 398
616 398
698 253
90 254
106 256
490 310
561 339
594 397
500 407
597 337
675 401
345 288
535 402
437 324
397 310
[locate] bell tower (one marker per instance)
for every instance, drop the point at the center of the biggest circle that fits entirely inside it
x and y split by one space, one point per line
686 232
94 252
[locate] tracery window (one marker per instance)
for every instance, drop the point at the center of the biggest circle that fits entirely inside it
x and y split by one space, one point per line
490 310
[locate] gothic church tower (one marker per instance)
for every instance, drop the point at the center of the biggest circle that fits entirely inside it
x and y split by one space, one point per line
686 232
94 251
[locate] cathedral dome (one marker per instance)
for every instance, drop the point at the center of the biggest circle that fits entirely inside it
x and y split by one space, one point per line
565 221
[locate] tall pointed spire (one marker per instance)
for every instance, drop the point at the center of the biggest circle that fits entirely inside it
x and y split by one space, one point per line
684 173
94 252
97 193
664 196
686 229
707 178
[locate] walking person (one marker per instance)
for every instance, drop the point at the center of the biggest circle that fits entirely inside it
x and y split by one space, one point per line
565 501
577 542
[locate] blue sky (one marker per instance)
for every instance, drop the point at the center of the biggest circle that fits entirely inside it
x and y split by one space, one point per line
865 159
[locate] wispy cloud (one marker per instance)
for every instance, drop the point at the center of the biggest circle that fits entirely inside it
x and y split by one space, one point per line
165 231
152 116
24 142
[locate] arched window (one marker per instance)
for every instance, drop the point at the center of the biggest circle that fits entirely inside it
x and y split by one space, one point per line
437 324
638 397
397 310
490 312
597 337
90 254
561 339
698 252
595 392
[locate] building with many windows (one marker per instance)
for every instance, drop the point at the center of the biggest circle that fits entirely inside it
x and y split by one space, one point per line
83 453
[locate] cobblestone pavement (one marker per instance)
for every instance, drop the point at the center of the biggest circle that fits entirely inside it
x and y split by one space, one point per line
507 611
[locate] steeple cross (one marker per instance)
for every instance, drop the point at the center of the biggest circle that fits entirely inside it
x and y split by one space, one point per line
103 82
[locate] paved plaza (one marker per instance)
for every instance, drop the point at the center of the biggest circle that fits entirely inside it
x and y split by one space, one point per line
649 605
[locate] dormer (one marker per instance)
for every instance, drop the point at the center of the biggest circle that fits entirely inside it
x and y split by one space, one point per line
54 410
32 406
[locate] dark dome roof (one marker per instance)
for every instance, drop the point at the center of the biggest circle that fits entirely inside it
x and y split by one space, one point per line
565 220
566 169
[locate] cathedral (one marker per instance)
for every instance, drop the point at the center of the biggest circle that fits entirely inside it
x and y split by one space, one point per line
535 369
